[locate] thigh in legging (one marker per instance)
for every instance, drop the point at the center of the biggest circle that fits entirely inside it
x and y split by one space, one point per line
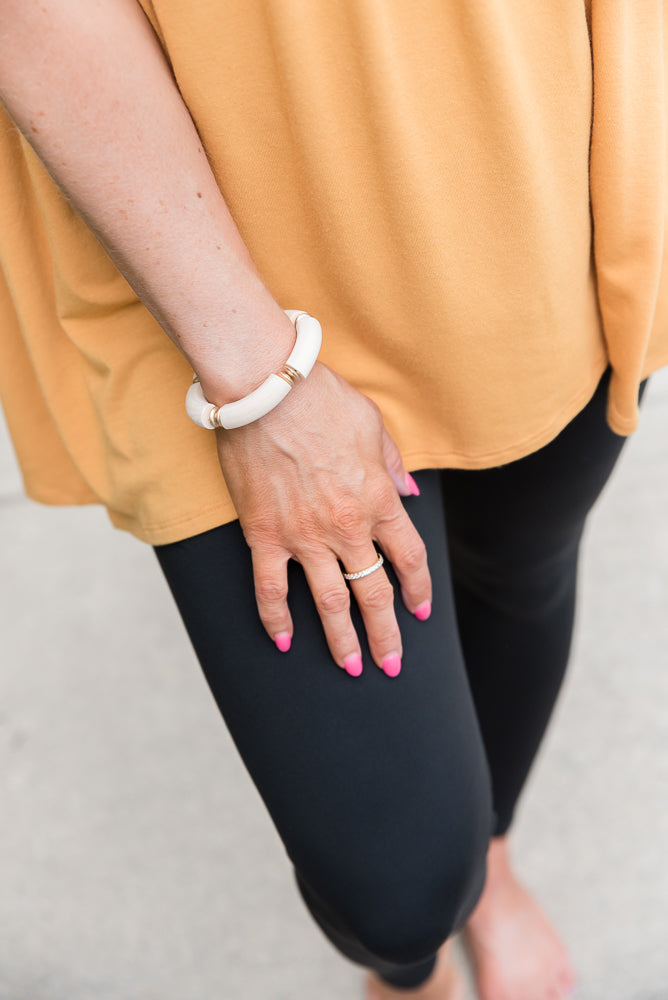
514 533
378 787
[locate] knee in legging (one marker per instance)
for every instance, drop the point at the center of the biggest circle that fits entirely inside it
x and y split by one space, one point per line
403 896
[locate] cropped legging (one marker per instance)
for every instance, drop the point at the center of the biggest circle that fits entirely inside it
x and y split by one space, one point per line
385 791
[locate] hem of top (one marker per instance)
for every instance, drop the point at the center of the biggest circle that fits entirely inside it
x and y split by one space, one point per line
163 533
519 449
625 426
653 366
56 498
215 515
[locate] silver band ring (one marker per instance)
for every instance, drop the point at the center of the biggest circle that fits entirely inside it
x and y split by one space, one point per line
365 572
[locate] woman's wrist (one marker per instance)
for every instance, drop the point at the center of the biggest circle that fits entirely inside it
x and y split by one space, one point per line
292 411
237 361
272 390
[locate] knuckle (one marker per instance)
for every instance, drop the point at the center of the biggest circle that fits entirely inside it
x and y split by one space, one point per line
413 555
306 544
386 501
306 535
308 548
378 594
346 517
332 600
259 531
270 591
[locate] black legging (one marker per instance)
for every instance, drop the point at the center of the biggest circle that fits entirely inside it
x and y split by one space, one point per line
385 791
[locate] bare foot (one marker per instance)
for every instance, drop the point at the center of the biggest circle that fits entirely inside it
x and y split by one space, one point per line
445 983
516 952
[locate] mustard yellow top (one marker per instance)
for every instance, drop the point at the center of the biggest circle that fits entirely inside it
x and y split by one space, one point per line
471 205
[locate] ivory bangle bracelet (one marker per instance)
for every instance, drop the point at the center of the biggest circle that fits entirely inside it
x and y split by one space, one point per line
274 388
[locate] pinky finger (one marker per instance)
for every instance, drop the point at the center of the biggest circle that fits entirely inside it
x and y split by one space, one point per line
270 573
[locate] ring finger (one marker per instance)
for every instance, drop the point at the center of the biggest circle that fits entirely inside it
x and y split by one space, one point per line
375 597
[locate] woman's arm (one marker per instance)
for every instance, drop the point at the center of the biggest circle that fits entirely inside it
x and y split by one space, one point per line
87 83
316 479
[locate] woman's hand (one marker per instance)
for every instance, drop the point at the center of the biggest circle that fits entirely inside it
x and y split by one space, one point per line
317 480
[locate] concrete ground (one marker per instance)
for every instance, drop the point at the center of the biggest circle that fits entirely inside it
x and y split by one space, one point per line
137 861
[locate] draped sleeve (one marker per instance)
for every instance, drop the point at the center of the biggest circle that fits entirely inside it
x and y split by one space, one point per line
628 186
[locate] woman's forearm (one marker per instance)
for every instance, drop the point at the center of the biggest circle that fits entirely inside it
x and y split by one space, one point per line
87 83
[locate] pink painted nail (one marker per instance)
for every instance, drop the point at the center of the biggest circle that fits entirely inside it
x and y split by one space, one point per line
283 641
412 485
423 611
353 664
392 664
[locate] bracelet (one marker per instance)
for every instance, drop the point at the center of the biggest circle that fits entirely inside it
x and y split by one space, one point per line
274 388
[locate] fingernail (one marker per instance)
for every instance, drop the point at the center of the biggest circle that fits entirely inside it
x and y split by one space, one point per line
353 664
423 611
392 664
412 485
283 641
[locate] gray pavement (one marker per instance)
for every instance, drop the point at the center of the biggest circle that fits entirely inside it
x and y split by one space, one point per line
137 861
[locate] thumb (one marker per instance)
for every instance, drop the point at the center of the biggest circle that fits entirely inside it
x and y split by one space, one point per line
404 482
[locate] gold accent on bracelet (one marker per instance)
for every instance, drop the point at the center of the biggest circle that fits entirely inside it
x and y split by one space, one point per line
289 374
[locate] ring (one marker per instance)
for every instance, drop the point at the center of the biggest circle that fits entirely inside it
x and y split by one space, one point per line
365 572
